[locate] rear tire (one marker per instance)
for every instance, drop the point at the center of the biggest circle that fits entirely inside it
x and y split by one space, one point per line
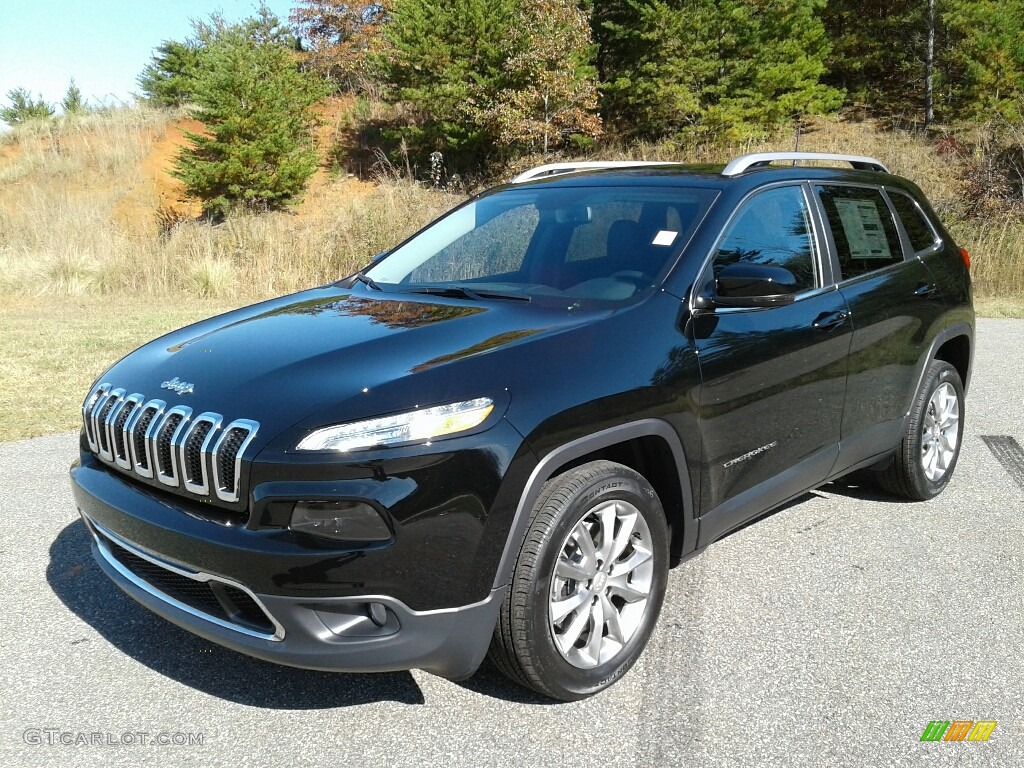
927 454
588 584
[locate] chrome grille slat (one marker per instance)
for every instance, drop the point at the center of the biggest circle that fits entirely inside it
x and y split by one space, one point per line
152 441
165 442
195 452
227 457
115 430
149 420
104 414
87 411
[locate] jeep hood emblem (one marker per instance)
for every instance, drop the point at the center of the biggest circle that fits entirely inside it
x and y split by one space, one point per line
176 385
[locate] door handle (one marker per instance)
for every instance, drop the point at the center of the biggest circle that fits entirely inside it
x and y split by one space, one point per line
827 321
925 289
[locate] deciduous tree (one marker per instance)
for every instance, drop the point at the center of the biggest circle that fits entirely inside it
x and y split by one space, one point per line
339 36
485 79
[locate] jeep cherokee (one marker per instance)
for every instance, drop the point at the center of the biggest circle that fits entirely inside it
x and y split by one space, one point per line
498 436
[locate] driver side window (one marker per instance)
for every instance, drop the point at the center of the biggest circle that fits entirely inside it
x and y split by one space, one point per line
773 229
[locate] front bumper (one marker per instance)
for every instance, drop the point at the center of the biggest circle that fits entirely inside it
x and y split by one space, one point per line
182 568
324 634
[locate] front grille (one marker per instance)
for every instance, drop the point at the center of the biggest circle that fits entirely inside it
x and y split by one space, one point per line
167 444
217 600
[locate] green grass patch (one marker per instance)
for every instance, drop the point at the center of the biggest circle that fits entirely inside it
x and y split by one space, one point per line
987 306
54 347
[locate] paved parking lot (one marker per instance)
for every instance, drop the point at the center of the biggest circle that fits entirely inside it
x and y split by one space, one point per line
829 634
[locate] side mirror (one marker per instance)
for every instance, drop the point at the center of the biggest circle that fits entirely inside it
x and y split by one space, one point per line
754 285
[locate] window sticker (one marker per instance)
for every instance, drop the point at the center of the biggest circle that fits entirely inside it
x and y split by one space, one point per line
665 237
864 230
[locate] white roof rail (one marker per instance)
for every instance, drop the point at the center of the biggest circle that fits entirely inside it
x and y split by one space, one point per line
761 159
557 169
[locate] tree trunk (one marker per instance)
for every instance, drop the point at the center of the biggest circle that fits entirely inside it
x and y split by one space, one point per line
929 69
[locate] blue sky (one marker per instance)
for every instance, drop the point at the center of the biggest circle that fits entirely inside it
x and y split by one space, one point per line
103 44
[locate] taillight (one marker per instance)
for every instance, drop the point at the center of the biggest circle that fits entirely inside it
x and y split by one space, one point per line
966 257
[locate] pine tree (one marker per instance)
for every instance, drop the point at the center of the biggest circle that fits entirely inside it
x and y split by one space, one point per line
167 80
715 68
73 103
23 108
879 53
986 63
256 106
882 50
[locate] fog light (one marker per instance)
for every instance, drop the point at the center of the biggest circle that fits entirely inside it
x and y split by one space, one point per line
339 520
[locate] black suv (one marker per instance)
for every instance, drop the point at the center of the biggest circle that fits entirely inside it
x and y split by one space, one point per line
501 433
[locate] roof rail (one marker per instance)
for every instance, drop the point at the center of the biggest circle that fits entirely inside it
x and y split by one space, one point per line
762 159
557 169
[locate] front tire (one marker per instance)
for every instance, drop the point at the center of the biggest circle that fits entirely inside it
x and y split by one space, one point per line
588 584
928 452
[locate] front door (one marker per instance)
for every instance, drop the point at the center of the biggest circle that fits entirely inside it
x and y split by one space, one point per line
773 379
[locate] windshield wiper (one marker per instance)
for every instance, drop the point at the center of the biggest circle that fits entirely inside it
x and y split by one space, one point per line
461 292
368 281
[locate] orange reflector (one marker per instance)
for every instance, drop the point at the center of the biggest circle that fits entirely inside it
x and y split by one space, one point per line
966 257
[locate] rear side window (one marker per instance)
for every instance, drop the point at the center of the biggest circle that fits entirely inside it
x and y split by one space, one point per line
863 229
920 231
774 229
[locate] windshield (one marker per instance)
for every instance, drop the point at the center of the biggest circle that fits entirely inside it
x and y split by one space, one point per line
607 244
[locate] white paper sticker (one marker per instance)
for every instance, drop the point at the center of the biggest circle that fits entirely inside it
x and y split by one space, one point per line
665 237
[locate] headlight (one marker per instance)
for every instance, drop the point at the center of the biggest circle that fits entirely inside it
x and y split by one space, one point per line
424 424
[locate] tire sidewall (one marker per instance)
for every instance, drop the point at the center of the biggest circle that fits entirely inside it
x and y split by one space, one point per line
942 373
552 666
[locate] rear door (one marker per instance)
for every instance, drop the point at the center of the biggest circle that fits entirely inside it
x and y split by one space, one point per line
892 299
773 379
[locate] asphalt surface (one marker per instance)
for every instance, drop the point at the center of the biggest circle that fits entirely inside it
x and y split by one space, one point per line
828 634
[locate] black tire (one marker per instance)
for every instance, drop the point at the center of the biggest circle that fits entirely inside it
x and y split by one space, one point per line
524 645
907 476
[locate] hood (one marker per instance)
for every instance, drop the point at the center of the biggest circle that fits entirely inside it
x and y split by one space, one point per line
285 360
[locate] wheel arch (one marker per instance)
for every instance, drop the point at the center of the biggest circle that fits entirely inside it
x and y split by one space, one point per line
956 350
954 345
649 446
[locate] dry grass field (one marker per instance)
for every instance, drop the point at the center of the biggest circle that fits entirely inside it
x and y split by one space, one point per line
100 250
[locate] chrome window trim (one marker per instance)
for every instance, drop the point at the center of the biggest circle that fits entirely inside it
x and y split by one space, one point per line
816 240
215 420
252 426
172 479
834 255
936 238
99 532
